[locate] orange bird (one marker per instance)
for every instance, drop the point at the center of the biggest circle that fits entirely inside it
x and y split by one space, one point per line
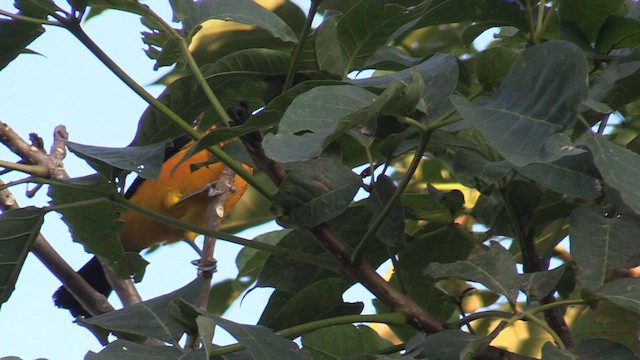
175 193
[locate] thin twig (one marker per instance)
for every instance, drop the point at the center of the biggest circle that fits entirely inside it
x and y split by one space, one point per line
297 51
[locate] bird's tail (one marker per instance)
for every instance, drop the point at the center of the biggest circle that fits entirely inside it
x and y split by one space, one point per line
92 272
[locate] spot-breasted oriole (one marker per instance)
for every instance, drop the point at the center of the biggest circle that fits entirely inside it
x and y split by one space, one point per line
171 194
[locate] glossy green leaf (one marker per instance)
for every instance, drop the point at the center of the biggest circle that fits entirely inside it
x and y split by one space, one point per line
391 232
619 167
18 230
95 225
618 32
589 15
149 318
538 101
599 243
145 161
315 192
494 269
343 341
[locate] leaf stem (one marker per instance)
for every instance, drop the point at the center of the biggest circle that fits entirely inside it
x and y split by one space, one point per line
28 19
275 250
297 50
358 253
76 30
542 27
35 170
394 318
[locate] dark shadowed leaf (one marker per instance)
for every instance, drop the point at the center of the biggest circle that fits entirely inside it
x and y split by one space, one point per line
491 11
315 192
445 345
319 300
369 25
571 175
607 321
623 292
343 341
423 206
250 261
18 230
619 167
618 69
599 243
471 167
539 284
149 318
312 118
96 224
15 36
145 161
492 66
552 352
128 350
590 15
260 342
618 32
538 101
595 349
494 269
440 75
392 230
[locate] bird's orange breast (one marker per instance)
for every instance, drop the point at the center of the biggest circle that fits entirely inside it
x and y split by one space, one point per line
164 195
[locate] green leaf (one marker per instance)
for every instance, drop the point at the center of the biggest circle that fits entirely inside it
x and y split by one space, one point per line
594 349
319 300
391 232
618 83
618 32
440 76
444 345
342 341
311 119
96 224
260 342
250 63
622 292
492 66
538 101
494 269
607 321
589 15
250 261
149 318
15 36
423 206
18 230
574 176
619 167
146 161
552 352
538 285
367 26
471 167
314 192
599 243
329 54
128 350
492 11
242 11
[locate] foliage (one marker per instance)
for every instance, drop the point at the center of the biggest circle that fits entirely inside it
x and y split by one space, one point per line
479 165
